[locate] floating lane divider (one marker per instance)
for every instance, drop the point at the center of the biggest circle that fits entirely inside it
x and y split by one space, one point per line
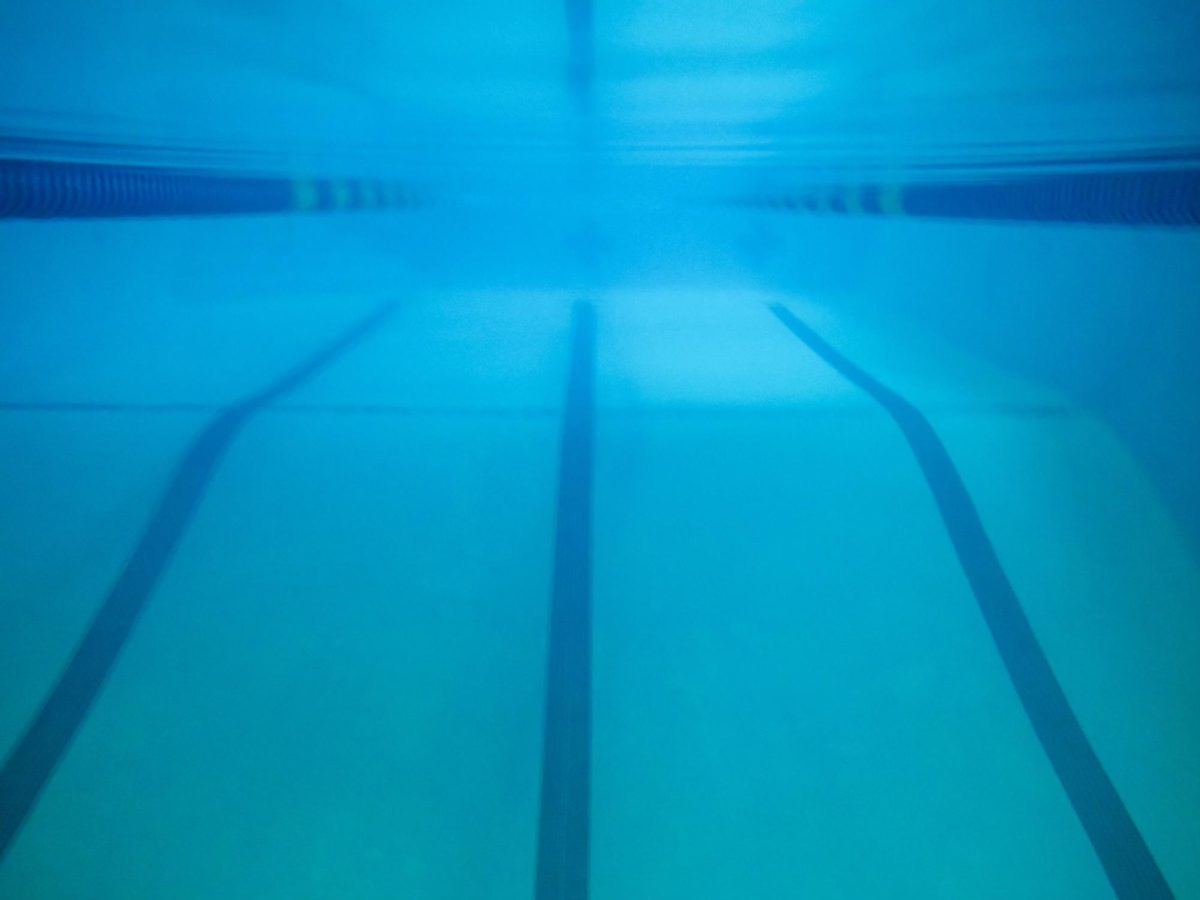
1127 860
33 761
1162 197
62 190
564 813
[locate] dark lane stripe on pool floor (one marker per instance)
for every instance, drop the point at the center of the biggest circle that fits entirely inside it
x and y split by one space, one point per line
1127 860
35 757
562 852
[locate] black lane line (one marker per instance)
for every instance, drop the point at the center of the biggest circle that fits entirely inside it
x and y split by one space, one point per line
1123 853
580 52
43 744
562 853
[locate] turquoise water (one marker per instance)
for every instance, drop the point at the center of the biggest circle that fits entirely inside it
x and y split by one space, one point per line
576 532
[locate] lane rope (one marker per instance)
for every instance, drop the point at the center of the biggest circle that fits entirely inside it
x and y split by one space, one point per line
31 189
1158 197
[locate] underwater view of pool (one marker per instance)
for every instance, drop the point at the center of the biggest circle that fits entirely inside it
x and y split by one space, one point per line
614 450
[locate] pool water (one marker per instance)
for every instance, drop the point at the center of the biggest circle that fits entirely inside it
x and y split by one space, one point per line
756 457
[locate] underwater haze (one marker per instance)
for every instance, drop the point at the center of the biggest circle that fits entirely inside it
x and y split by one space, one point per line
599 449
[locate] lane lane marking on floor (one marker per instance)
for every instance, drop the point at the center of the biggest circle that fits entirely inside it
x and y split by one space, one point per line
1130 866
32 762
563 821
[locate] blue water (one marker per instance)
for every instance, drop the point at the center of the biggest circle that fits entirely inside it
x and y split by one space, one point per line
602 449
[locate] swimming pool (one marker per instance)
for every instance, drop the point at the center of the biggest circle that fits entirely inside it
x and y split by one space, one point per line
607 451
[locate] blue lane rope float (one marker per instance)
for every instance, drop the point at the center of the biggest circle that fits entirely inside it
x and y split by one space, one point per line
56 190
1154 197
